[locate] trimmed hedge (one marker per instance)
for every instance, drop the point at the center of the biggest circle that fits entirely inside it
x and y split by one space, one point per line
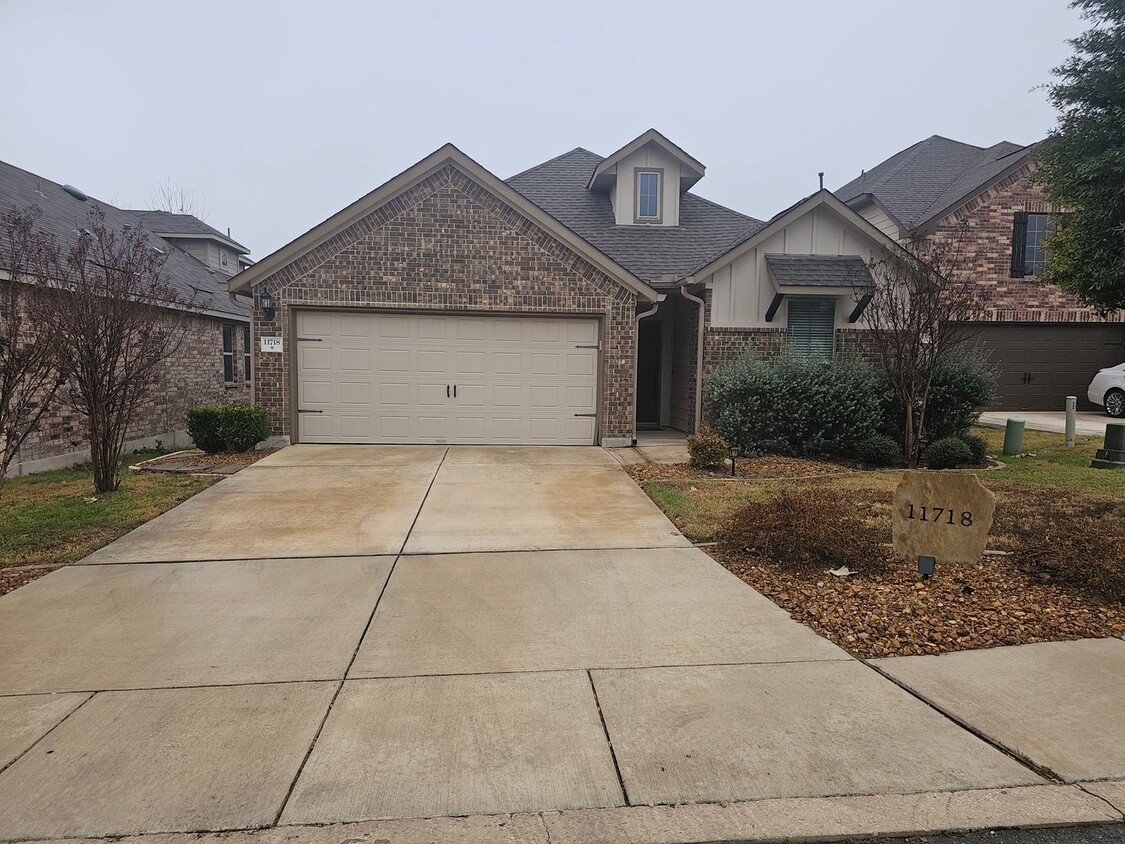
796 405
880 450
707 449
236 427
947 453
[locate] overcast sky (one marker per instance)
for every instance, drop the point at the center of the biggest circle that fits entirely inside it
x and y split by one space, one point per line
278 114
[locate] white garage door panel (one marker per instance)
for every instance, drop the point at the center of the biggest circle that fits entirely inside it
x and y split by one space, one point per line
388 378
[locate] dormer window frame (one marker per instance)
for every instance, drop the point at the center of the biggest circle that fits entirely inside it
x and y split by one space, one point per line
637 217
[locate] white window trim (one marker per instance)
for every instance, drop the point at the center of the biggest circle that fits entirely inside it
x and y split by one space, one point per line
659 173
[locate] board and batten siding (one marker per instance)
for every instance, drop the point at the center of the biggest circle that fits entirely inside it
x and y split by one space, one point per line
878 218
623 195
742 291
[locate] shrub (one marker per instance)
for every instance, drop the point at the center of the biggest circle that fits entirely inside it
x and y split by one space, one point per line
879 450
796 405
978 448
812 529
707 449
203 427
215 428
964 382
242 426
947 453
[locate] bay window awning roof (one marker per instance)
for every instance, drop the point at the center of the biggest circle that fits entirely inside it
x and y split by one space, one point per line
831 274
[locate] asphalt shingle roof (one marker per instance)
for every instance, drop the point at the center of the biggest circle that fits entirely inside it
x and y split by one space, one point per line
63 213
931 177
165 222
652 253
819 270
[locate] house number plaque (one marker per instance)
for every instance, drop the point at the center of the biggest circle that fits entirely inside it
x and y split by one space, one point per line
271 345
944 515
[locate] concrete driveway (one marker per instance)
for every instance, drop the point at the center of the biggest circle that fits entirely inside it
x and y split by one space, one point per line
350 633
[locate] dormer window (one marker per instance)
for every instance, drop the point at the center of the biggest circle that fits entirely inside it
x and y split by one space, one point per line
648 196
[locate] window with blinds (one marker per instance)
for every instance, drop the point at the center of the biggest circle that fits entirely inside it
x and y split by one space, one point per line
812 326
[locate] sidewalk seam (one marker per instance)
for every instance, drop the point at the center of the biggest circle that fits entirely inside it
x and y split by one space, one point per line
63 720
1040 770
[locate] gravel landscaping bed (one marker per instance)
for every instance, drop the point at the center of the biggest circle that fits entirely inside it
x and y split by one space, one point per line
14 578
745 467
983 605
195 461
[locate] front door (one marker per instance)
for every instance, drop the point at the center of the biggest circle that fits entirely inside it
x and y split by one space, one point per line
649 353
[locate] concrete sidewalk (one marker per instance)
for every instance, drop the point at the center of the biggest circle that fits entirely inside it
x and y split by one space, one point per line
514 640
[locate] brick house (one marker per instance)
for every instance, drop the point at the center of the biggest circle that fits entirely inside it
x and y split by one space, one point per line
213 364
586 298
574 303
1045 343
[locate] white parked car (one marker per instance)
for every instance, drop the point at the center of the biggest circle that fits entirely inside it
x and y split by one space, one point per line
1108 390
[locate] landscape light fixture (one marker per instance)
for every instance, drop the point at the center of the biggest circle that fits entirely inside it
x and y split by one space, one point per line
735 451
265 304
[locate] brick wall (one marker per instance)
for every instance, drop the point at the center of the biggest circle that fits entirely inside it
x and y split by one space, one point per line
987 224
194 375
448 244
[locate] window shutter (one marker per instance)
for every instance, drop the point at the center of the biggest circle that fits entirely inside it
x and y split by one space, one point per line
1019 245
811 327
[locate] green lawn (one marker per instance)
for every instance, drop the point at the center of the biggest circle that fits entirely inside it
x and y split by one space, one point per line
1053 464
53 518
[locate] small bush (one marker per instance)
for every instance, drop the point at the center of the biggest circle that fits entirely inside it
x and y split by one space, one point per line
812 529
203 427
963 383
948 453
242 426
879 450
215 428
707 449
796 405
978 448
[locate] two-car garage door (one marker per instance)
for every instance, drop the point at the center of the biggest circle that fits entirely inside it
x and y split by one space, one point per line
365 377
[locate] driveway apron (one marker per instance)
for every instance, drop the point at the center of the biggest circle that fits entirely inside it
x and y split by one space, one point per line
345 633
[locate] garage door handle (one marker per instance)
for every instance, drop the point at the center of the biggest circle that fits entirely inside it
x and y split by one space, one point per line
454 391
301 410
595 346
310 339
447 391
591 415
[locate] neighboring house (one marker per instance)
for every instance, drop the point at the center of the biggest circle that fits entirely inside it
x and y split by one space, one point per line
575 303
1045 343
213 364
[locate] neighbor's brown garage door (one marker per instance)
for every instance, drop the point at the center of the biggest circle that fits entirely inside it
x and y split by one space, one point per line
1041 364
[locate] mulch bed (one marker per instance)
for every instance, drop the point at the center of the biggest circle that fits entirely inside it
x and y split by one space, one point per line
1066 588
201 462
745 467
14 578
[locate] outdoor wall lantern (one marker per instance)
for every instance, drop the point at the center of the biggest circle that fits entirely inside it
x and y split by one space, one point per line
265 304
735 451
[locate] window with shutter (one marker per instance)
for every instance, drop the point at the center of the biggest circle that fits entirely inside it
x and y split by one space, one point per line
1019 244
811 328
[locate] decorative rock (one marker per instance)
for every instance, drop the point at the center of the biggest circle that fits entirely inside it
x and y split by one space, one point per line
945 515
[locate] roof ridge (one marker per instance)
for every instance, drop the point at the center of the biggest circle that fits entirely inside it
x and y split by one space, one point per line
559 157
934 207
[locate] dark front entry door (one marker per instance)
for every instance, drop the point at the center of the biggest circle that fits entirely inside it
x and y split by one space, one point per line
649 347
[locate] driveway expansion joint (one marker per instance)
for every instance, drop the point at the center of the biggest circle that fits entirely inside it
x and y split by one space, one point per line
608 740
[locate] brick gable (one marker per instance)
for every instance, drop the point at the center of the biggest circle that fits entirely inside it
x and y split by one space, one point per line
448 244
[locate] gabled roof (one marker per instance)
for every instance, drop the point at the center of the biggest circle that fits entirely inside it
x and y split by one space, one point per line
167 224
924 182
446 156
784 218
63 213
654 253
845 272
604 173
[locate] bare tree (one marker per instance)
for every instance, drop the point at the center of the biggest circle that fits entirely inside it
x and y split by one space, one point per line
29 371
171 195
119 322
922 305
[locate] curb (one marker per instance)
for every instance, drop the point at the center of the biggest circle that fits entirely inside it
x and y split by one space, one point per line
768 820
